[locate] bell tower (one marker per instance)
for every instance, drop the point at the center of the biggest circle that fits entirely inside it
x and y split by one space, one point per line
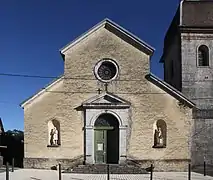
188 66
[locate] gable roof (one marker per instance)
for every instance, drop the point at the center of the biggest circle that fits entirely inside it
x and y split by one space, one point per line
117 30
104 100
170 90
42 90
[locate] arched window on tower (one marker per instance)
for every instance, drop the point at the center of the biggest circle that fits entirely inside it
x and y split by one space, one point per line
203 55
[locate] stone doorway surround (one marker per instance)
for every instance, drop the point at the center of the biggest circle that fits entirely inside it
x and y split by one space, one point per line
105 103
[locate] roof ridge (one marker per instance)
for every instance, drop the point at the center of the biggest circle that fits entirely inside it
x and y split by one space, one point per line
171 88
43 88
116 27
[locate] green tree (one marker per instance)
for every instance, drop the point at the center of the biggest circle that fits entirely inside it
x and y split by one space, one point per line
16 134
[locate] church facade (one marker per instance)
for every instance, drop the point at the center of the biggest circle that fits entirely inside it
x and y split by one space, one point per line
108 108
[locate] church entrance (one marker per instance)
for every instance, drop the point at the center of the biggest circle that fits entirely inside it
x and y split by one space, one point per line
106 138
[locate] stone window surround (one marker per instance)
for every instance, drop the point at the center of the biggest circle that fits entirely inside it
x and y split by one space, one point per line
98 64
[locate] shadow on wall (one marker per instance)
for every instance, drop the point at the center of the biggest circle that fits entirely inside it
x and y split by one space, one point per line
14 140
200 169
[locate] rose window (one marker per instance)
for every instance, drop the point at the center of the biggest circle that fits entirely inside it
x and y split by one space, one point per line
106 70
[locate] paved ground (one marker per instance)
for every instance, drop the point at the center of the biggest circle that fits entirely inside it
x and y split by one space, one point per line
29 174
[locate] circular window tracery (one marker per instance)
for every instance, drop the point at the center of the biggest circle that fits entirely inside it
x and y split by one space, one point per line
106 70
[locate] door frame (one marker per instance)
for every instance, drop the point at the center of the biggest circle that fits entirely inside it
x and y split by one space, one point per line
90 117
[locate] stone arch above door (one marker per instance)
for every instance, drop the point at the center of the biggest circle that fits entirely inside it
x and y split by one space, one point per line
95 117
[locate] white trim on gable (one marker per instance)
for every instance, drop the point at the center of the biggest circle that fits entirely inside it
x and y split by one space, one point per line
41 92
99 99
171 89
114 26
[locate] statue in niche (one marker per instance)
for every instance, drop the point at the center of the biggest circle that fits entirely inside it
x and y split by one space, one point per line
51 137
54 136
158 137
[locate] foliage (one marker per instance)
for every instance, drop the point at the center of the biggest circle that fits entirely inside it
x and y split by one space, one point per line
14 140
16 134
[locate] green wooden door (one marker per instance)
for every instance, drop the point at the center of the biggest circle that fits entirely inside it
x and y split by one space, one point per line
100 146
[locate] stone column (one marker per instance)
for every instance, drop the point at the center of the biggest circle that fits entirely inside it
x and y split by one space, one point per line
89 144
122 144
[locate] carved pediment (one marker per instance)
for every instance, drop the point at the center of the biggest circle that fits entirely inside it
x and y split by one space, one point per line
106 100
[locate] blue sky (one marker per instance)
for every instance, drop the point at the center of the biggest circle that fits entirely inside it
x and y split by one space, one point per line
33 31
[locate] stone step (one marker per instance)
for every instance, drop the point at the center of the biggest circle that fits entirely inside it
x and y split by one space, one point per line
102 169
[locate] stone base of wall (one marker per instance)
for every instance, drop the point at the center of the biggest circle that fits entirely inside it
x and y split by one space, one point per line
48 163
166 165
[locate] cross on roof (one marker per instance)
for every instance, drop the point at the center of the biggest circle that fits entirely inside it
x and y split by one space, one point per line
106 88
99 91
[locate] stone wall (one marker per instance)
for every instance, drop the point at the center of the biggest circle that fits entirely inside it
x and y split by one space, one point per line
50 106
145 113
202 144
166 165
48 163
197 83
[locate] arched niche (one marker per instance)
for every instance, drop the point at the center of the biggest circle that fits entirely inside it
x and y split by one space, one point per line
54 138
160 134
